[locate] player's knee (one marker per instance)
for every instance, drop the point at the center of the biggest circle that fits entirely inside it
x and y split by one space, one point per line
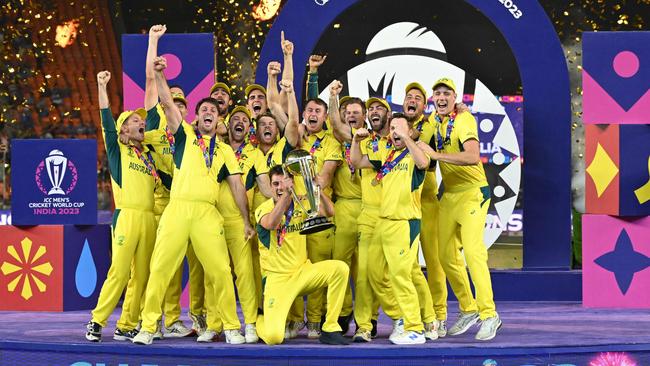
340 268
275 338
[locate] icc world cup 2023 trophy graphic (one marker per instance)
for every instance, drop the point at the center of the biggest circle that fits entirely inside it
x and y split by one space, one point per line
56 165
300 163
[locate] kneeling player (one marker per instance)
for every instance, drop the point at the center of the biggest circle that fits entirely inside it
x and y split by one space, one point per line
289 273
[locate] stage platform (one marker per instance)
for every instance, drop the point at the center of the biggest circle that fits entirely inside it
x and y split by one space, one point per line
533 333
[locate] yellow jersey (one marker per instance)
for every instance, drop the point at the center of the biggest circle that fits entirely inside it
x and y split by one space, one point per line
323 146
401 187
347 179
194 180
251 163
372 147
131 173
282 255
457 178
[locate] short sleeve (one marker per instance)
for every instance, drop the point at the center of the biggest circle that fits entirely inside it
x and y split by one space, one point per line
230 165
260 163
334 150
466 127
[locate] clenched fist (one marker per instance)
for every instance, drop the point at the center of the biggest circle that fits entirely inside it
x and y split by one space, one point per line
103 77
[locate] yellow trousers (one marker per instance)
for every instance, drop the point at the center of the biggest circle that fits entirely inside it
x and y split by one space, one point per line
281 290
372 285
132 242
461 226
201 223
399 240
436 278
345 241
319 248
240 253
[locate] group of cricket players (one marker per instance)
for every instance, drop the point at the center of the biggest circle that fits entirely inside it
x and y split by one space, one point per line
213 191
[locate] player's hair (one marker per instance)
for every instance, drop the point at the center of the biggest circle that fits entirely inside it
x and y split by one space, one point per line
266 114
355 100
206 100
318 101
176 86
398 115
276 170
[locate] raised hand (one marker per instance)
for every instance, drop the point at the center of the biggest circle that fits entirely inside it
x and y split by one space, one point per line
273 68
361 134
315 61
157 31
287 86
401 128
287 46
159 63
335 88
103 77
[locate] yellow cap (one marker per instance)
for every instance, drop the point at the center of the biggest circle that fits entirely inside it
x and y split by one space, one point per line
446 82
344 99
252 87
418 86
218 85
179 97
380 100
241 108
126 114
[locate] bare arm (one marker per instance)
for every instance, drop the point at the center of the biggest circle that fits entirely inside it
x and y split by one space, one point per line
292 131
271 220
239 193
342 131
102 80
404 132
315 61
287 72
272 92
357 159
326 173
471 155
150 90
326 205
172 113
264 185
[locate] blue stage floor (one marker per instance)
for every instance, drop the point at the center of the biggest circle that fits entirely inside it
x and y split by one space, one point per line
534 333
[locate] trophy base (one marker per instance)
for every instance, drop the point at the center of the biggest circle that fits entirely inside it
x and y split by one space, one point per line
315 224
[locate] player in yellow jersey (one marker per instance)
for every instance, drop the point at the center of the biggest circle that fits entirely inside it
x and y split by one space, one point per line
200 164
220 92
133 177
347 188
401 173
415 102
157 141
327 152
289 274
463 209
251 161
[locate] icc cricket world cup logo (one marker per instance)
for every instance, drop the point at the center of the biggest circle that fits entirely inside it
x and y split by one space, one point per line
56 165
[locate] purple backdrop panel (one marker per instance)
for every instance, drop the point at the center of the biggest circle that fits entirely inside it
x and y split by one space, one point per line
616 262
190 64
86 259
616 70
635 170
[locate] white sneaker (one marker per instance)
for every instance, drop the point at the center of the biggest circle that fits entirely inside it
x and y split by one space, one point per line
463 323
292 329
250 333
398 328
199 323
233 336
313 330
143 337
208 336
158 335
488 328
431 330
177 330
409 337
442 328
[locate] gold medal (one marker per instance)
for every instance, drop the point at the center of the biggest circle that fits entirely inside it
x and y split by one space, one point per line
374 182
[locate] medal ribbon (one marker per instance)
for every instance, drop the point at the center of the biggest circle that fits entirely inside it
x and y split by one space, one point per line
206 155
440 143
239 150
315 146
148 162
375 142
390 164
280 234
347 157
170 139
252 137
